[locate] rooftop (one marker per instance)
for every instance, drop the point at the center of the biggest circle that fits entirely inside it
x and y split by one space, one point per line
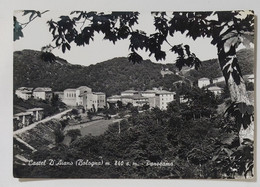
98 93
34 109
134 97
25 89
23 114
114 96
214 88
203 79
42 89
130 91
164 92
149 91
70 89
83 87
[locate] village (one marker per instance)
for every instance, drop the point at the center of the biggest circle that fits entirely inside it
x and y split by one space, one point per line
84 99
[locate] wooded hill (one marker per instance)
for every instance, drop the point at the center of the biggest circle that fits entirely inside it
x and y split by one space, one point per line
111 76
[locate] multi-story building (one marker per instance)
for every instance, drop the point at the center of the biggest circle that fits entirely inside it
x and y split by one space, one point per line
136 100
24 92
72 96
163 98
155 98
114 98
43 93
202 82
69 97
95 100
129 93
81 91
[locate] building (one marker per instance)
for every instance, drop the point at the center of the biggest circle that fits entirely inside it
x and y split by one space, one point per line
163 98
114 98
81 91
250 78
83 96
136 100
69 97
202 82
72 96
148 93
216 90
166 71
23 119
28 117
43 93
94 100
129 93
38 113
218 79
24 92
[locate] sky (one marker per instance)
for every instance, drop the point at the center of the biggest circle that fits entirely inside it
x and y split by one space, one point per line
37 35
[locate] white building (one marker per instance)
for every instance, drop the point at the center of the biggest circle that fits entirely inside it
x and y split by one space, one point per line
72 97
163 98
136 100
250 78
79 91
149 93
166 71
69 97
216 90
43 93
129 93
24 92
114 98
94 100
218 79
202 82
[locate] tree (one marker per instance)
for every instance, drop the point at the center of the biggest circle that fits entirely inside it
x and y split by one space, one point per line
227 30
119 104
74 133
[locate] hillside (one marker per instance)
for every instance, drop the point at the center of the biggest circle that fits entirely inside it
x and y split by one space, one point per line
245 60
111 76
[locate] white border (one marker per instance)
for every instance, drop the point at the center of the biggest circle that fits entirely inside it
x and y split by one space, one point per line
6 82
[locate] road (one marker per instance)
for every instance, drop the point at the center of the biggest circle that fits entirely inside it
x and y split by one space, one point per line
56 116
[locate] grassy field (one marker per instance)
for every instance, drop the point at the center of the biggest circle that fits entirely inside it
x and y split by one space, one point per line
95 128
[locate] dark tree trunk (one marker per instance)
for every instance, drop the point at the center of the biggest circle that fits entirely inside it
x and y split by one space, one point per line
236 84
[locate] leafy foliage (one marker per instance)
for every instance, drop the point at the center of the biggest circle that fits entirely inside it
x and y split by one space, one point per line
242 112
197 148
17 30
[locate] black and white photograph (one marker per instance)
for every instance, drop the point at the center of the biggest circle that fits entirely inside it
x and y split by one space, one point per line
134 94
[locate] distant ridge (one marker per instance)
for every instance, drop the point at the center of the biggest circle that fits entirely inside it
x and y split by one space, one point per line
111 76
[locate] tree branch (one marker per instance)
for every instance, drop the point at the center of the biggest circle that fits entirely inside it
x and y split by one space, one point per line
25 24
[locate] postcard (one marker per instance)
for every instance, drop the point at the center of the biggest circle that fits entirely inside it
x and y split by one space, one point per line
136 95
